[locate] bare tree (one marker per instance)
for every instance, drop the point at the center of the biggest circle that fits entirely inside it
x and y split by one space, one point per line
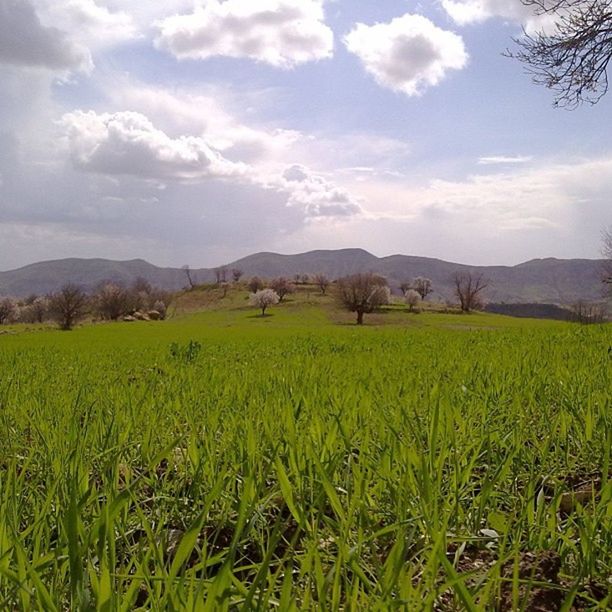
187 271
588 313
221 275
412 299
572 57
142 285
111 301
363 293
68 306
423 286
468 290
264 298
282 286
8 308
255 284
322 282
237 274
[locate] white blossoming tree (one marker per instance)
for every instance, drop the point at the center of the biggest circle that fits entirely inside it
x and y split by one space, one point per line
264 298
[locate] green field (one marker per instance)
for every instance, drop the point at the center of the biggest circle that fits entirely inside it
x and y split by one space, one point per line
221 460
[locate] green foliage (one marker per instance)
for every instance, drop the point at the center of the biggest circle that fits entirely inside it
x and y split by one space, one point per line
300 465
187 353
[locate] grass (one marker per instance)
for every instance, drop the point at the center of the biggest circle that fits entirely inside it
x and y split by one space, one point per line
223 461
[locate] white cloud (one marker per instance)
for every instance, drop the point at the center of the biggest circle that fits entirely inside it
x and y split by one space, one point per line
283 33
26 41
205 113
127 143
547 195
316 196
408 54
89 24
493 160
464 12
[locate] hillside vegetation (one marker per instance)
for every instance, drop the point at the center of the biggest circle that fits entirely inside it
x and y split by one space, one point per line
222 460
550 280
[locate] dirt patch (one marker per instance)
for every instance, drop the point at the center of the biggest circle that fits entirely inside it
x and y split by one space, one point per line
539 587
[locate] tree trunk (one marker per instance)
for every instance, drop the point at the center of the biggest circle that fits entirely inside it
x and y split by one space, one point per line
263 311
359 317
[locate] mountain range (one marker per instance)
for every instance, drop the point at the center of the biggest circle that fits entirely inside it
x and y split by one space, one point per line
556 281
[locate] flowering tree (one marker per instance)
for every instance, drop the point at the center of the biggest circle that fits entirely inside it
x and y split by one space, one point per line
412 299
422 286
264 298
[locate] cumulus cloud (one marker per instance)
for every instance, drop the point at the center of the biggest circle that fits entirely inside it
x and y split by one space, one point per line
464 12
316 196
127 143
283 33
26 41
208 113
408 54
88 23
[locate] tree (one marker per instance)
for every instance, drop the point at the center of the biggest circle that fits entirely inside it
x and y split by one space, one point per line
412 299
142 285
187 271
237 274
264 298
282 286
8 308
68 306
363 293
571 57
588 313
468 289
255 284
111 301
607 253
422 286
405 287
322 282
221 275
35 310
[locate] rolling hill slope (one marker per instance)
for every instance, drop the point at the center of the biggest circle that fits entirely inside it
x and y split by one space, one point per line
540 280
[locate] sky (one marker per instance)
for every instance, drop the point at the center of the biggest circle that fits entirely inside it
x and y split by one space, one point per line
200 131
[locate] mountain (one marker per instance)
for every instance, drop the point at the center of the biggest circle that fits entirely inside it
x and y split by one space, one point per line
555 281
48 276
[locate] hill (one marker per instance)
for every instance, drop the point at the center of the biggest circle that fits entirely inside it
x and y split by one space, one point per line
554 281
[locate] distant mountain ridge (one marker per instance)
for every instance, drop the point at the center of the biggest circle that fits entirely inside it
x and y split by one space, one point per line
555 281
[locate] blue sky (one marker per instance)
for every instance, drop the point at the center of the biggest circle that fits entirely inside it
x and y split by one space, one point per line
199 132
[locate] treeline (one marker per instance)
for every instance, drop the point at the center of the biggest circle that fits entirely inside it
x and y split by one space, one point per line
109 301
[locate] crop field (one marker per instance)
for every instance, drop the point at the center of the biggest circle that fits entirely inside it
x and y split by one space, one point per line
223 461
